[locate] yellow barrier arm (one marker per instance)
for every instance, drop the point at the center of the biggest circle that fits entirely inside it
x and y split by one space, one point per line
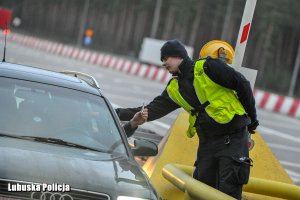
272 188
180 176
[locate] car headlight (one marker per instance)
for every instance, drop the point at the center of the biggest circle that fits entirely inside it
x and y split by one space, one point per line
130 198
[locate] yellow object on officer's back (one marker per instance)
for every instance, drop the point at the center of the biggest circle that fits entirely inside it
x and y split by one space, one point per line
217 49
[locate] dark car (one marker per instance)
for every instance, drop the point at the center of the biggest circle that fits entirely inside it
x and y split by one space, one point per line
61 140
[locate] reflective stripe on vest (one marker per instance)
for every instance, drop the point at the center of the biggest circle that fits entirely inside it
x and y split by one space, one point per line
223 103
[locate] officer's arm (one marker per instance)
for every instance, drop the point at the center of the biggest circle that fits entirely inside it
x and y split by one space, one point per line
226 76
157 108
161 106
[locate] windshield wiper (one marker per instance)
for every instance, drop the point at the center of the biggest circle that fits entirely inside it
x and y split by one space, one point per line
62 142
52 141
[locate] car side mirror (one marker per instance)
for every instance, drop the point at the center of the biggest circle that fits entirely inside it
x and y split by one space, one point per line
144 148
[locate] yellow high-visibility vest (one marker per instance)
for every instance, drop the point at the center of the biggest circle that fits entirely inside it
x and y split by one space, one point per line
222 103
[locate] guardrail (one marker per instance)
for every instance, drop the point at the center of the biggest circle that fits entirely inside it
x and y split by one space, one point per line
272 188
180 176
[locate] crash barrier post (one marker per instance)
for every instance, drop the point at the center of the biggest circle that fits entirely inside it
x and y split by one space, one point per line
180 176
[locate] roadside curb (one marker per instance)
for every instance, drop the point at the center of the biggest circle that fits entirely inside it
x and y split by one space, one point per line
264 100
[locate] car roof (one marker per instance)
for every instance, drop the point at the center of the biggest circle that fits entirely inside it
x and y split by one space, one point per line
35 74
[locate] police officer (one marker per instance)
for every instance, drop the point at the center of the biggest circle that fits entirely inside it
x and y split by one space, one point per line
221 110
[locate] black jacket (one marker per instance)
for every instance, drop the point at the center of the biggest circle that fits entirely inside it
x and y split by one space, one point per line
218 72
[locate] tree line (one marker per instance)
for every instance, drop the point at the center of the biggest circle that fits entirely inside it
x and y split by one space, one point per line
120 26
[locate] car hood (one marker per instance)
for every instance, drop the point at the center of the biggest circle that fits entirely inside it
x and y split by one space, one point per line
47 163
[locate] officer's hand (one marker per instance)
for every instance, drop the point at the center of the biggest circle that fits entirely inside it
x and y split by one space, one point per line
139 118
252 126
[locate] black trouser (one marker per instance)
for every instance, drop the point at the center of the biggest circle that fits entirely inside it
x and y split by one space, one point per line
223 162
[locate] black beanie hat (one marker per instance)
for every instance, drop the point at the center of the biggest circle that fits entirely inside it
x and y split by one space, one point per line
173 48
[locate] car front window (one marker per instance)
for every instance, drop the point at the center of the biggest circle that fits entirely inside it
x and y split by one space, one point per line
36 109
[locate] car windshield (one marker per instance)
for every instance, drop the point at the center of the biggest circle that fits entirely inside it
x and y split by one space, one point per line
42 110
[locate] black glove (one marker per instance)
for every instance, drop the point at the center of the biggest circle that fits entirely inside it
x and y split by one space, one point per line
252 126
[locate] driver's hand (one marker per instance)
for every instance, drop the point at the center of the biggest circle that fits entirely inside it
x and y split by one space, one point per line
139 118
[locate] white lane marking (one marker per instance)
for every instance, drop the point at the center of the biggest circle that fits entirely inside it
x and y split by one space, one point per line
267 115
267 131
290 164
283 147
272 123
163 125
295 180
292 173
